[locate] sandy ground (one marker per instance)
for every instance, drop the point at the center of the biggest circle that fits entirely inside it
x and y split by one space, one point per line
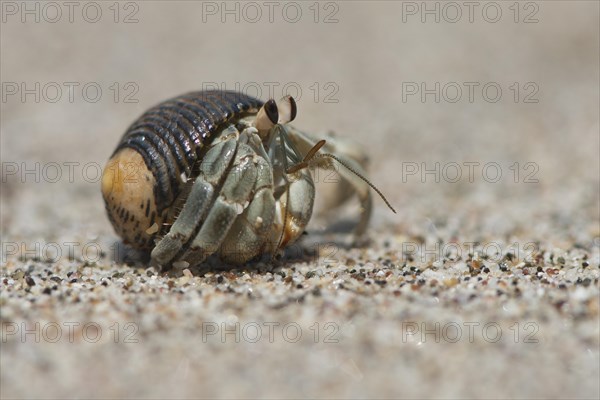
483 285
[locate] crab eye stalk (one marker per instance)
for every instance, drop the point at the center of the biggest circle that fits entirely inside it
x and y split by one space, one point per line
272 114
287 110
267 118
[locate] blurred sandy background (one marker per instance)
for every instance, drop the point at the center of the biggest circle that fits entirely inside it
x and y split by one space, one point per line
364 60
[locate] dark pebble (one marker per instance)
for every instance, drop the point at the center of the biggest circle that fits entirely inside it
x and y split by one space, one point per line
586 282
29 280
359 277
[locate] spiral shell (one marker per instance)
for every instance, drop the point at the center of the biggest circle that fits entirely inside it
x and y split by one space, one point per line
145 176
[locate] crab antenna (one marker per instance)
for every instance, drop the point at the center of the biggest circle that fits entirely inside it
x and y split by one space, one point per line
360 176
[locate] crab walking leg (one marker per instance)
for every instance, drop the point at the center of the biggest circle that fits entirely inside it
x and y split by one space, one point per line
304 143
360 187
194 210
343 190
249 232
196 207
231 202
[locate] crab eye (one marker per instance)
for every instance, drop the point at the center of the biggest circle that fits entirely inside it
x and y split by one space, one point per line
266 118
272 111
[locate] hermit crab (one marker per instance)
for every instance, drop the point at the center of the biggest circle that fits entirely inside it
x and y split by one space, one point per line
220 172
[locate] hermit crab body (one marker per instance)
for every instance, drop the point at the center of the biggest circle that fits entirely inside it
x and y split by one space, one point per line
220 172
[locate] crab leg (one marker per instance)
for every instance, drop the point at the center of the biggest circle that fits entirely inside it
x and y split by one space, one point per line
197 205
